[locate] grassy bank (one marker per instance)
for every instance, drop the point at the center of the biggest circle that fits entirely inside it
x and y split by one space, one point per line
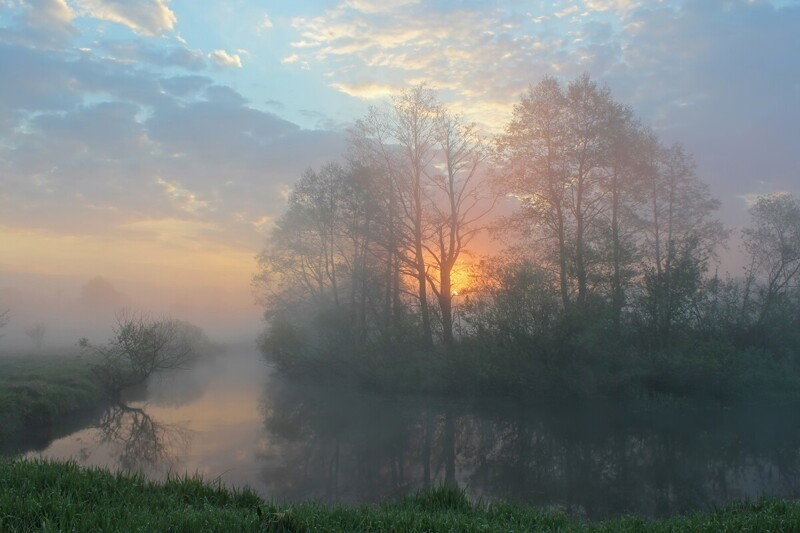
40 392
37 495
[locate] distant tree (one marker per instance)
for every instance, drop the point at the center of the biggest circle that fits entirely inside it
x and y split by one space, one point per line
36 333
773 244
5 318
140 346
98 294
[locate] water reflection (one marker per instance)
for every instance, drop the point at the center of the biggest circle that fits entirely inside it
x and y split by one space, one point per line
235 421
139 442
593 461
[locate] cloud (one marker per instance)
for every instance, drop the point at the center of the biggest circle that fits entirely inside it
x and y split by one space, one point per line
142 51
43 23
223 59
368 90
183 198
378 6
90 144
49 12
567 11
146 17
473 53
266 23
621 6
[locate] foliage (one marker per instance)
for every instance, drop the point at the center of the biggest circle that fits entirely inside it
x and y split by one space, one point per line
607 292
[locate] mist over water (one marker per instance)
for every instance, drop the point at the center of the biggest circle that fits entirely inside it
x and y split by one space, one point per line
547 253
236 420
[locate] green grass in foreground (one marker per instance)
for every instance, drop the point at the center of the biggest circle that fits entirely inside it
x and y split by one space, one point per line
48 496
38 391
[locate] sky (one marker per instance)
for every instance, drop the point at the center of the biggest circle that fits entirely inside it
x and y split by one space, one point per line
153 142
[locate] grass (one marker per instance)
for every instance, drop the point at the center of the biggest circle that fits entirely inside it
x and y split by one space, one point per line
50 496
39 392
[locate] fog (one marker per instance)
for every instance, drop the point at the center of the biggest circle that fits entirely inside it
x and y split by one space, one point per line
74 307
543 254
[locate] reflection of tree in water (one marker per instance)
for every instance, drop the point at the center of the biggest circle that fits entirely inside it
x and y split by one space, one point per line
336 445
141 443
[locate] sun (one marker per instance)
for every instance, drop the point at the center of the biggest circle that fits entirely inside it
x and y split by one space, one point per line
460 278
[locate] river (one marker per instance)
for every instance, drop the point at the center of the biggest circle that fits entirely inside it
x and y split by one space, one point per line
236 420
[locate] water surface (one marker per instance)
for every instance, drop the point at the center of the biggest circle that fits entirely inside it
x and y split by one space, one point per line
236 420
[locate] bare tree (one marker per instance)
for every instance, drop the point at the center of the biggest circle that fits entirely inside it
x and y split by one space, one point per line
459 200
139 347
414 128
401 141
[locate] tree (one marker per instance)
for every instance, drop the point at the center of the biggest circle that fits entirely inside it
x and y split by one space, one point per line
570 157
414 127
531 155
322 254
589 111
140 346
301 260
773 244
401 141
5 318
429 160
629 156
680 235
458 202
36 333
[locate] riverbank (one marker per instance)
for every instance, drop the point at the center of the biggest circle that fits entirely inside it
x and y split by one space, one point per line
708 372
38 394
53 496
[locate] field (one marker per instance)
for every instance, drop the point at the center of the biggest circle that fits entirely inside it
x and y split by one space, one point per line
42 393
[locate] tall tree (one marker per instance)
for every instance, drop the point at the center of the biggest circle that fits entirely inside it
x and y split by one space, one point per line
458 201
371 148
401 141
630 156
531 154
680 236
414 122
589 112
773 243
565 156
